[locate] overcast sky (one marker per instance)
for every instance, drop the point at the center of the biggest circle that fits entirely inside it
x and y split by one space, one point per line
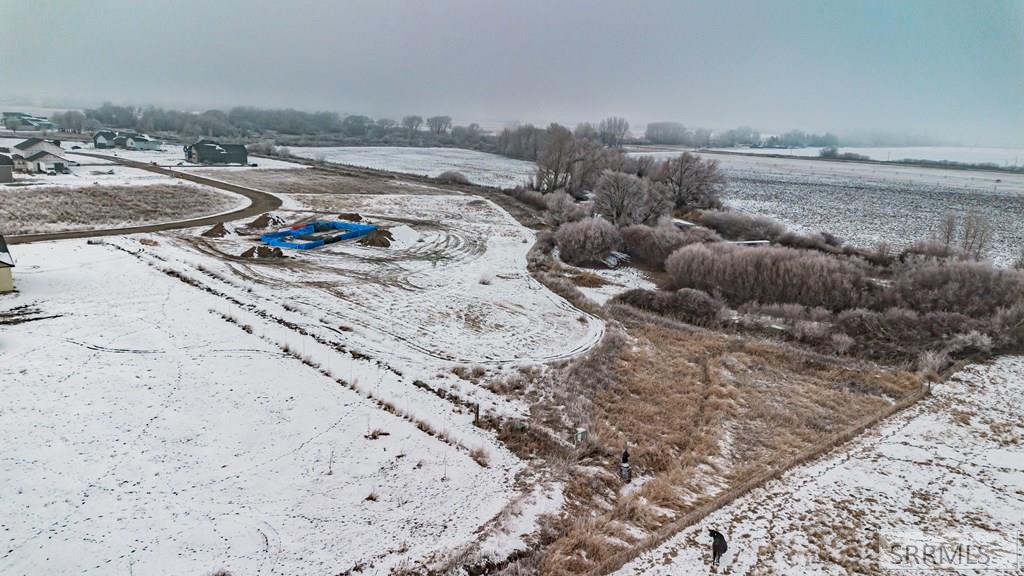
950 70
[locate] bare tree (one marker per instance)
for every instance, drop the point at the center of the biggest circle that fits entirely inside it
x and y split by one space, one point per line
555 158
13 124
413 123
975 236
624 199
613 130
945 232
695 183
439 124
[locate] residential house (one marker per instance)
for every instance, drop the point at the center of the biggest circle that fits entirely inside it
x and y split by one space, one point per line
103 139
34 145
6 169
6 263
44 161
210 152
142 142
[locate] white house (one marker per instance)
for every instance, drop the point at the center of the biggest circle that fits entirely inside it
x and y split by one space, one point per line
6 263
44 161
141 142
36 145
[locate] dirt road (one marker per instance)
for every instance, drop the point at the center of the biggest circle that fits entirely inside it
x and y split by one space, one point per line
259 202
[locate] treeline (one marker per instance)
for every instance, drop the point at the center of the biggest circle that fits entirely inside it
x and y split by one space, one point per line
288 126
675 133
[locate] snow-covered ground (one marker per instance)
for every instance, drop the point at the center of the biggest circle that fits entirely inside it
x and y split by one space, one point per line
952 466
969 155
480 167
228 421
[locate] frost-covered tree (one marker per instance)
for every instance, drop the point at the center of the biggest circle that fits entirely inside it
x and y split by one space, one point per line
412 122
613 130
439 124
695 183
624 199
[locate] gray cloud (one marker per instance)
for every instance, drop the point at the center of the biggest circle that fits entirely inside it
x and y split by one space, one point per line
950 70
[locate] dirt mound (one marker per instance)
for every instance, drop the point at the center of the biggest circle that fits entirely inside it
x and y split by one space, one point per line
379 238
350 216
218 231
262 252
266 221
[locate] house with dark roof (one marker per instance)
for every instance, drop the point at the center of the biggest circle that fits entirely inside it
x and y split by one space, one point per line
210 152
6 169
6 263
35 145
44 161
103 139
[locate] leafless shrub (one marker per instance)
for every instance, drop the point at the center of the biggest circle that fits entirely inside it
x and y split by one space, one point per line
770 275
815 241
624 199
531 198
976 289
562 208
452 177
686 305
694 183
480 456
652 245
587 241
975 236
926 250
739 226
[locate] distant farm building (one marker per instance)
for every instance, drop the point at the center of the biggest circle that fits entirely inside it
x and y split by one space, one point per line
6 263
6 169
127 140
210 152
25 121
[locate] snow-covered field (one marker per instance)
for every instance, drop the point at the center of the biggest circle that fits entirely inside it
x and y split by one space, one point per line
951 466
480 167
969 155
231 421
867 204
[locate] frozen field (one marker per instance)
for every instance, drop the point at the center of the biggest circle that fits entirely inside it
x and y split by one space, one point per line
480 167
271 416
952 465
867 204
968 155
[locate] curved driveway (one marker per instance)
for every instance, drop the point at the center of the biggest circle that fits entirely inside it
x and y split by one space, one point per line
259 202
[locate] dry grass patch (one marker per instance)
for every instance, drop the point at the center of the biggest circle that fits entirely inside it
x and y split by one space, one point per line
51 209
701 413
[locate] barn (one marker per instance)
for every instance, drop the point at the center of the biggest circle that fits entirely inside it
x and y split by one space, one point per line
6 263
6 169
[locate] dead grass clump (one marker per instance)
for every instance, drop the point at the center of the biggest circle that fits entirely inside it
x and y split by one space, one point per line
588 279
217 231
480 456
452 177
379 238
531 198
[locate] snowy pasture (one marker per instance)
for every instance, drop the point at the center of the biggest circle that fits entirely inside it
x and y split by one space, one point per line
953 463
966 154
480 167
180 432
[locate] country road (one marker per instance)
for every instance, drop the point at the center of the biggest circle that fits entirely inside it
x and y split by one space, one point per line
259 202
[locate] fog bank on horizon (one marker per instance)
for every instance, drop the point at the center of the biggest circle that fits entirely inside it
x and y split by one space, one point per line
949 71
